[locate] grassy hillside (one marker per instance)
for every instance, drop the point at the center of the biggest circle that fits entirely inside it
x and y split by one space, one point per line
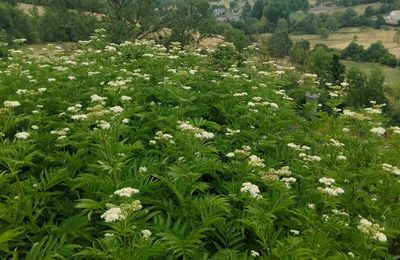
392 75
364 36
134 151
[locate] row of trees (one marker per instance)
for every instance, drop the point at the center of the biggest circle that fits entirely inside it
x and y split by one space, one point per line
185 21
315 24
57 23
355 2
376 52
264 17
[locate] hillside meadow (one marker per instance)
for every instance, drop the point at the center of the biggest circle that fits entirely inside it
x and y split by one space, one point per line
364 36
392 75
136 151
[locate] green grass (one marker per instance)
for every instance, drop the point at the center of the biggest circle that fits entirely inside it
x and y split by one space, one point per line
297 16
392 75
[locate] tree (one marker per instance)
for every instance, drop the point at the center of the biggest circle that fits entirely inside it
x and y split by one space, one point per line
332 23
320 62
369 11
375 52
117 7
233 4
16 24
257 10
363 88
193 20
380 20
337 70
187 20
235 36
354 52
276 10
299 52
279 44
323 33
246 10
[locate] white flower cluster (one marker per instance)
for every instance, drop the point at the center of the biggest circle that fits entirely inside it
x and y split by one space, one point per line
97 98
61 133
396 129
283 174
113 214
244 151
258 102
282 93
22 135
103 124
355 115
372 230
294 232
198 132
126 192
340 212
378 130
255 161
242 94
310 158
288 180
230 132
371 110
164 137
142 169
327 181
336 143
253 189
146 234
375 109
254 253
341 158
8 103
116 109
349 113
126 99
298 147
116 213
329 189
79 117
76 108
393 169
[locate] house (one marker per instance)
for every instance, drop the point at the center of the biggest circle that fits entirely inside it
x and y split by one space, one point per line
218 12
393 18
222 14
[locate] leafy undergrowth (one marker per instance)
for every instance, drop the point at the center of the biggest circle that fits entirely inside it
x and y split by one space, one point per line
133 151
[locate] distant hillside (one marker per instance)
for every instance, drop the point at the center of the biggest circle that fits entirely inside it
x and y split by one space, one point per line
29 8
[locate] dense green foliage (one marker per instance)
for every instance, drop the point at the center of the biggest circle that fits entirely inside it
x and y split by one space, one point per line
15 24
135 151
376 52
363 89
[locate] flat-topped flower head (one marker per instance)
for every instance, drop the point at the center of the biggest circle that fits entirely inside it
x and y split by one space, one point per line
22 135
126 192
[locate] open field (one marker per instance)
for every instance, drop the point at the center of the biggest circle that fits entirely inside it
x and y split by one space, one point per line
28 8
392 75
364 36
360 9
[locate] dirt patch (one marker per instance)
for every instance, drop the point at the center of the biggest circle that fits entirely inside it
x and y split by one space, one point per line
28 8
